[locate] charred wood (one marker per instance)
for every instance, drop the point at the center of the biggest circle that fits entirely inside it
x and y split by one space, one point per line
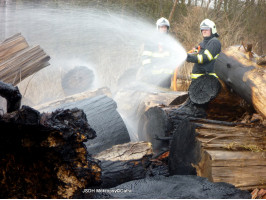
228 106
205 147
125 162
134 102
160 122
183 149
44 155
204 89
175 187
102 116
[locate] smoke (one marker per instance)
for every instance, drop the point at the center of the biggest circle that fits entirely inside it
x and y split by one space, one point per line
107 43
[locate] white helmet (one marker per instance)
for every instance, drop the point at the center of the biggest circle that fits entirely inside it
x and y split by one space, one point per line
162 22
208 24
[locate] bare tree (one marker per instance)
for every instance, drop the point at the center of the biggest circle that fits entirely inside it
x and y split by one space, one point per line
173 10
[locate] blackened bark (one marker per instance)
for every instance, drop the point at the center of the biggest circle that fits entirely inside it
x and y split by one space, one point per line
203 89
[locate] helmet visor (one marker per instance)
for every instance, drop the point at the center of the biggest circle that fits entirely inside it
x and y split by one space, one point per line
205 28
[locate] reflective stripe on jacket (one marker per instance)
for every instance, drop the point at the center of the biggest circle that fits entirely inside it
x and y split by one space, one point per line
205 59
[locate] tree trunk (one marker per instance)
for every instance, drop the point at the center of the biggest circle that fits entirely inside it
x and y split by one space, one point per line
44 155
238 70
173 11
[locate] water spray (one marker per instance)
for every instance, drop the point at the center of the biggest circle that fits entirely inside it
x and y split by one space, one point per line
107 43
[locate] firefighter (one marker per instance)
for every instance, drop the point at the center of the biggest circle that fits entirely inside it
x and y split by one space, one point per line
155 57
206 53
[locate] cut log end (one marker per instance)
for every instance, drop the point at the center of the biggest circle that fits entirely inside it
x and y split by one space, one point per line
77 80
203 89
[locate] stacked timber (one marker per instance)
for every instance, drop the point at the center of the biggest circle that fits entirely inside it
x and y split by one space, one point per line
221 136
18 60
221 151
232 154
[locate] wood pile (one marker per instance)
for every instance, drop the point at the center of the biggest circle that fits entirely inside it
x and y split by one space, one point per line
221 151
18 60
218 136
56 154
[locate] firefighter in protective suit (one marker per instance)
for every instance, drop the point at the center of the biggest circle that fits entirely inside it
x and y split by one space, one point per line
155 56
207 52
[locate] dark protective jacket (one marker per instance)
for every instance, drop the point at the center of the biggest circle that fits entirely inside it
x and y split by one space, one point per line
204 61
156 54
155 58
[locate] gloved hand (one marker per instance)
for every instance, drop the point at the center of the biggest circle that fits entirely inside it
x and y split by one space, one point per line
189 57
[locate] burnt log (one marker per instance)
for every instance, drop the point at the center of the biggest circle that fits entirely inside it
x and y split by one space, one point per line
159 123
226 106
125 162
204 89
102 116
241 73
174 187
134 101
12 96
44 155
183 149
